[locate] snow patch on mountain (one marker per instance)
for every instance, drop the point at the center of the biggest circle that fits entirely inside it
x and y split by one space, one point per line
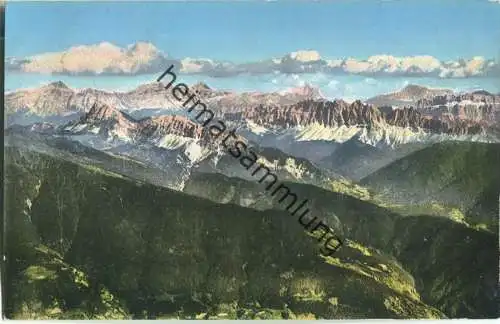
255 128
386 136
317 132
172 141
196 152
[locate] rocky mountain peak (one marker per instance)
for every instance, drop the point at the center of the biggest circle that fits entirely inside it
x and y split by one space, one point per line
307 91
413 90
168 120
100 112
327 113
339 113
201 86
148 88
407 96
202 89
58 85
482 93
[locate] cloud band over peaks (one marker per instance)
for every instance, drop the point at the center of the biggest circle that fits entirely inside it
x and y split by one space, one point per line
143 58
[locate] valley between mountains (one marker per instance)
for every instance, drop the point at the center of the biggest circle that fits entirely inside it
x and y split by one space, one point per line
119 206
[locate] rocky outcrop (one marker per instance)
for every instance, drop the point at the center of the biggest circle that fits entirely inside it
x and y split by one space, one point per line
408 95
434 111
480 97
203 91
327 113
54 98
476 106
412 118
163 125
479 106
57 98
102 112
241 102
111 121
340 113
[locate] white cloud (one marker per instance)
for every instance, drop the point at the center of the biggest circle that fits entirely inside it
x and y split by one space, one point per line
305 56
103 58
142 58
193 65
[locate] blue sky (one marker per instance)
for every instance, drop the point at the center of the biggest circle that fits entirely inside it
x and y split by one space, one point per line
246 31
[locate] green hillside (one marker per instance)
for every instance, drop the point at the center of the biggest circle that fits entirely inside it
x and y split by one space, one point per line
466 175
83 243
443 255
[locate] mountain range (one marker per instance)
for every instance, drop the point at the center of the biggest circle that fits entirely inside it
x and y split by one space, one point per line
119 205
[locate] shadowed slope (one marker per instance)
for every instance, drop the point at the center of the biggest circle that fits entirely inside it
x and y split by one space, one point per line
162 253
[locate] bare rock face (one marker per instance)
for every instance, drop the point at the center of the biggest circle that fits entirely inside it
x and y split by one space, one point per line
412 118
163 125
433 110
108 120
340 113
237 103
407 96
204 92
482 97
307 91
329 113
54 98
57 98
476 106
99 113
416 92
104 120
